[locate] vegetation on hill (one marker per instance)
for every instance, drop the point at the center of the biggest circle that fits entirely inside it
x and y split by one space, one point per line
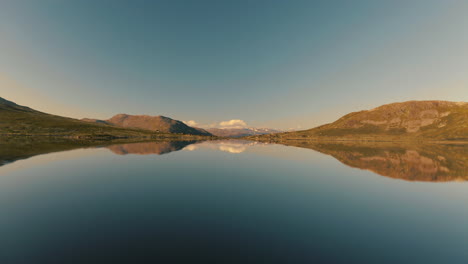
16 120
413 120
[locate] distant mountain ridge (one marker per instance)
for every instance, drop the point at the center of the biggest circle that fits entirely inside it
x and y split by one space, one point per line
147 148
436 120
241 132
153 123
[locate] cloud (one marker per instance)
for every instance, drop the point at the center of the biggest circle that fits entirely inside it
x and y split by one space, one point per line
234 123
234 148
190 147
190 123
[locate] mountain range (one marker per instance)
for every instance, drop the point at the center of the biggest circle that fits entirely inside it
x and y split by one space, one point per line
413 120
168 125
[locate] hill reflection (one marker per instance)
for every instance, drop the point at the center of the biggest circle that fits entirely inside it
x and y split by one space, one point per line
411 162
428 163
148 148
19 148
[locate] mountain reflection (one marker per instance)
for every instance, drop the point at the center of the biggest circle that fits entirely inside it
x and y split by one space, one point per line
427 162
147 148
411 162
18 148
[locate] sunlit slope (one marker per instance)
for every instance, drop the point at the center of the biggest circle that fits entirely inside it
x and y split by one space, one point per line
435 120
21 120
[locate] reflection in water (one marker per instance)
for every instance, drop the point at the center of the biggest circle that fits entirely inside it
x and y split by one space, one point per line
13 149
234 148
434 162
146 148
412 162
265 205
18 148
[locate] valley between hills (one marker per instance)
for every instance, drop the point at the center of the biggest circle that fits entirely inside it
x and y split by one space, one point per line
413 121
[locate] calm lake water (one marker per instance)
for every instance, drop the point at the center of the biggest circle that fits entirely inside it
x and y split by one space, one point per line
233 202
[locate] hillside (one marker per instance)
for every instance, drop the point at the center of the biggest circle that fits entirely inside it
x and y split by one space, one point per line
16 120
413 120
152 123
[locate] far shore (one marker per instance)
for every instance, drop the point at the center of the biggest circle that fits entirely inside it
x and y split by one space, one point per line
357 140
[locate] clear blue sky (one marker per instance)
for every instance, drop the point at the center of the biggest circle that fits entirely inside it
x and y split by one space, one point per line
282 64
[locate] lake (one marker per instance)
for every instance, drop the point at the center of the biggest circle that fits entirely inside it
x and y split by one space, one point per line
232 202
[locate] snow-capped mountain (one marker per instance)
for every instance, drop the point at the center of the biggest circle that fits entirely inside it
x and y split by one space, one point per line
241 132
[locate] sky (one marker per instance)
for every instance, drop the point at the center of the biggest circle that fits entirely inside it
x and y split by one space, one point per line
290 64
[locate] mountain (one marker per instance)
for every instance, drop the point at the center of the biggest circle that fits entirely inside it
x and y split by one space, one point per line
413 120
241 132
17 120
152 123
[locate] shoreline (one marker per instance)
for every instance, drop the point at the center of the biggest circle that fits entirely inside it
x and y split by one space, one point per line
358 140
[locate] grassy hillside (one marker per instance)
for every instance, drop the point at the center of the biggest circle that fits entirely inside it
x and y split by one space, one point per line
18 120
414 120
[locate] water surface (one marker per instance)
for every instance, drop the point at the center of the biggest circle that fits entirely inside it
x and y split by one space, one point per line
232 202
